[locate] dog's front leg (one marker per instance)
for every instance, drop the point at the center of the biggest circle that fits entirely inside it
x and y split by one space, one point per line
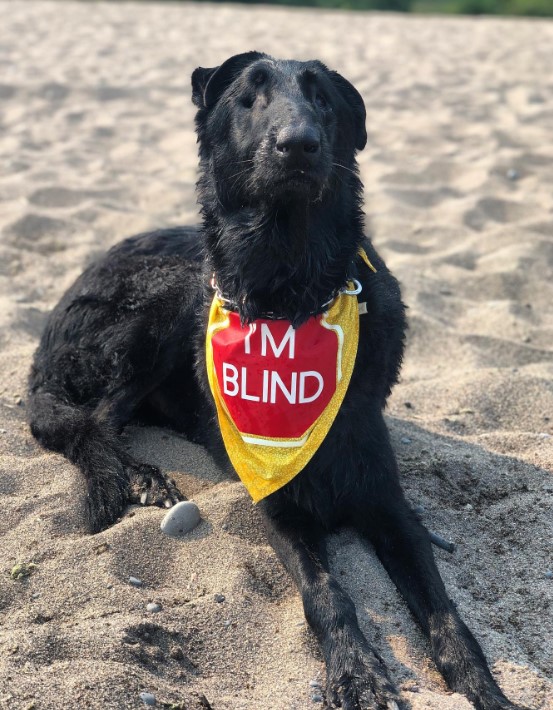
403 546
357 678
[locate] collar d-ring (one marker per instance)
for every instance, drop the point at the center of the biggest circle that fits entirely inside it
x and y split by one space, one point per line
353 292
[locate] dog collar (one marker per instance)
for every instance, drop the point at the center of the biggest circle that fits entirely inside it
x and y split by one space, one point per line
232 305
277 389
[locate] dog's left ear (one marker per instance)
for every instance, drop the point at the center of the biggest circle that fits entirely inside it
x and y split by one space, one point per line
209 84
355 101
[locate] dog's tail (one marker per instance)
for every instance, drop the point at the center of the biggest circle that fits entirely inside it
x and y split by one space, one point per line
88 441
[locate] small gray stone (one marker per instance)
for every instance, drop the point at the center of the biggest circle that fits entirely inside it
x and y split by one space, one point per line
180 519
405 440
148 698
135 581
317 698
513 174
549 574
219 598
153 607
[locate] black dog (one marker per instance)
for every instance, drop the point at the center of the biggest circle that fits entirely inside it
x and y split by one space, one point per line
282 230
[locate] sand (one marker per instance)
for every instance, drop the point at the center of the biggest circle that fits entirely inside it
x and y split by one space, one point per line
96 143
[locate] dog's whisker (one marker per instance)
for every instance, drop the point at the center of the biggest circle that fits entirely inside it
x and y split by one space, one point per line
340 179
339 165
241 172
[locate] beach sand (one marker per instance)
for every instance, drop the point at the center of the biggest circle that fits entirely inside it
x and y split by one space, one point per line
97 143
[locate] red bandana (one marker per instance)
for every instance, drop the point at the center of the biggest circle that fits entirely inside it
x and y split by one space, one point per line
277 389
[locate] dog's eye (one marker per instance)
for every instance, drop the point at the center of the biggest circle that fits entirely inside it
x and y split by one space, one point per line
247 101
321 101
259 78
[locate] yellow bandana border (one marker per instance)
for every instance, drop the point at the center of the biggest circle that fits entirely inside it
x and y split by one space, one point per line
265 467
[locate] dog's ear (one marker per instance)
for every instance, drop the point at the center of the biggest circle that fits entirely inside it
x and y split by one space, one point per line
200 77
355 101
209 84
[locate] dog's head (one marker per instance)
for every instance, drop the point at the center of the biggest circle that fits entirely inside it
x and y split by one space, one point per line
272 130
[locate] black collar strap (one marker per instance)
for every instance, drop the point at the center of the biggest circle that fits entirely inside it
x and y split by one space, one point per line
231 305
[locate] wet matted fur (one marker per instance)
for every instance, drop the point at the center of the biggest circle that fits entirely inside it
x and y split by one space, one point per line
282 225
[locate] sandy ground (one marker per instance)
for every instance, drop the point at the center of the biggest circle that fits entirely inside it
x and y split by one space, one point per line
96 143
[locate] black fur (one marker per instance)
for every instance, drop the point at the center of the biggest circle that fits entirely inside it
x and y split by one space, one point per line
282 224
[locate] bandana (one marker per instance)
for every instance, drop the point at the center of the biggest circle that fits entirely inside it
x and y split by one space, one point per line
277 389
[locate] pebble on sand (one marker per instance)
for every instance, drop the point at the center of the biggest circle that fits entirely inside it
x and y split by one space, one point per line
180 519
153 607
148 698
135 581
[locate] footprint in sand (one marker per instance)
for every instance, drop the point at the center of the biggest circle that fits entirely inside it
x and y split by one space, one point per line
545 228
498 352
53 92
435 173
39 233
111 93
406 247
529 163
57 197
31 320
422 199
7 92
494 209
463 259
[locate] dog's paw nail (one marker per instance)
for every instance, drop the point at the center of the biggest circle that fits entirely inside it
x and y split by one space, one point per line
143 498
167 503
392 705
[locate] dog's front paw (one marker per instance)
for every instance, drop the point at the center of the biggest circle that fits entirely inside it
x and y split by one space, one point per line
149 486
359 681
495 701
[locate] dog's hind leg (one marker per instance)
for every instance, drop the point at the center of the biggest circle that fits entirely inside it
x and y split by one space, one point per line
404 548
357 678
89 442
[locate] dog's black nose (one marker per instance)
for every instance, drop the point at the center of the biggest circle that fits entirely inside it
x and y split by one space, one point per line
301 142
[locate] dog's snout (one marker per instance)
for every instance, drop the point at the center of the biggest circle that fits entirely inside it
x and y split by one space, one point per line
298 142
